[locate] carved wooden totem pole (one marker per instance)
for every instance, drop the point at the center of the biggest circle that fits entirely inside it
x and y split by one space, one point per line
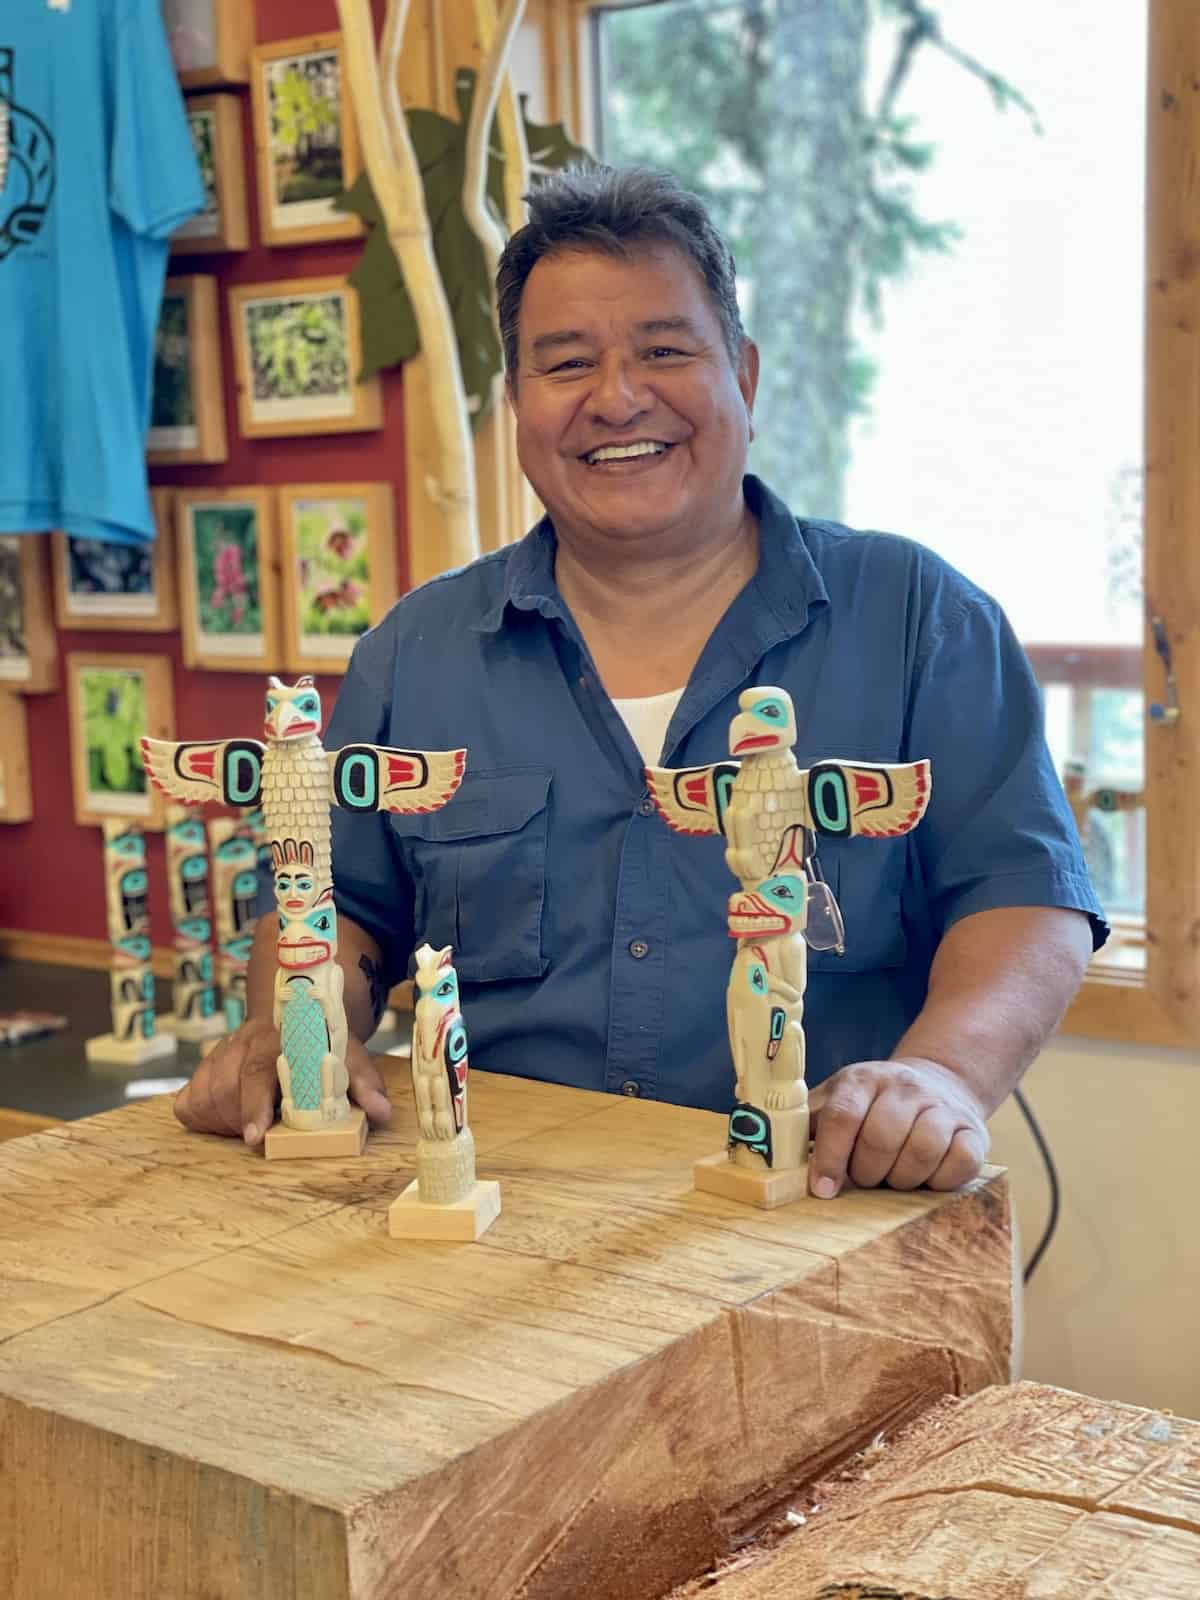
234 856
770 812
297 780
134 1037
194 1015
445 1201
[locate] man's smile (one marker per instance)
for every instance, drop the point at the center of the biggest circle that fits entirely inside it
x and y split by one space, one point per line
637 451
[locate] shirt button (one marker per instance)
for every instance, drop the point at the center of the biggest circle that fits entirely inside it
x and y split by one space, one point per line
629 1087
646 807
639 948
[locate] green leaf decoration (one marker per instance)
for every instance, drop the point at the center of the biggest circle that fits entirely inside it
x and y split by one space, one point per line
389 324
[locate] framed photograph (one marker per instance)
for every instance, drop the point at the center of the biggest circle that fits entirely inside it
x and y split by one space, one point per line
114 700
98 585
210 40
305 140
215 124
298 346
228 578
28 648
338 548
16 794
187 416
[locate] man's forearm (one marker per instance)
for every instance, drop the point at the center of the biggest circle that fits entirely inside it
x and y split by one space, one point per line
1000 982
365 991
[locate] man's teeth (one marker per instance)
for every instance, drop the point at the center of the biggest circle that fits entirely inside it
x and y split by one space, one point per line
625 452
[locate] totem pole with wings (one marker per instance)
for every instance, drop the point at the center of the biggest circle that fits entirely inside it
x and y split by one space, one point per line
297 780
770 812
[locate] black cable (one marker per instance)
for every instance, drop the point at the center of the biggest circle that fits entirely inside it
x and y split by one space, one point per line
1052 1178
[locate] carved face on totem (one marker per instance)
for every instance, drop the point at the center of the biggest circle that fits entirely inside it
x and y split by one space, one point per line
186 842
765 722
307 919
439 1024
292 713
125 862
771 910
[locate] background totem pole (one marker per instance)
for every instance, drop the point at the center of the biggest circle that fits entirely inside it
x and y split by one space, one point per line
770 812
134 1038
234 852
297 781
194 1013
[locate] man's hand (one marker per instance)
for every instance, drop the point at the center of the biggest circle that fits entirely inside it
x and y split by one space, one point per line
235 1090
905 1123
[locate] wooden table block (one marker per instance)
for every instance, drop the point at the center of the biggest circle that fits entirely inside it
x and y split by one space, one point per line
1021 1493
220 1377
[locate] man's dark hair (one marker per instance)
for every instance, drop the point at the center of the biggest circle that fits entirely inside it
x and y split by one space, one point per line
616 209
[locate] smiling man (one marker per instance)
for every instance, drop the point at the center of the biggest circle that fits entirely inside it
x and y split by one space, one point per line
589 940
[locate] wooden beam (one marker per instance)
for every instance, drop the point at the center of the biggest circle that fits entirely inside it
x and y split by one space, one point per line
1172 513
594 1399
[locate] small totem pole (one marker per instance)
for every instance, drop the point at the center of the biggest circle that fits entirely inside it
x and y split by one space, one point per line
297 780
194 1013
133 1039
770 812
445 1201
234 855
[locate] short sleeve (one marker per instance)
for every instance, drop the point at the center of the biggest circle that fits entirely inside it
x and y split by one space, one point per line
154 180
999 831
370 884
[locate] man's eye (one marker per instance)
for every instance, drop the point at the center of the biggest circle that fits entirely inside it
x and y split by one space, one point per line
567 366
665 350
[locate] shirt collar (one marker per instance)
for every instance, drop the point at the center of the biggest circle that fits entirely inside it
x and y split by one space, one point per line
788 581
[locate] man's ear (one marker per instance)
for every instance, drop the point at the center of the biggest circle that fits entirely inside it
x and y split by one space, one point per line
747 378
510 391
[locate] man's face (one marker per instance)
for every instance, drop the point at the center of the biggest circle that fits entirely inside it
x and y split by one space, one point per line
631 419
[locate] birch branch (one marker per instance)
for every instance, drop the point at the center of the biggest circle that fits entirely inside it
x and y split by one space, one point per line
497 36
396 179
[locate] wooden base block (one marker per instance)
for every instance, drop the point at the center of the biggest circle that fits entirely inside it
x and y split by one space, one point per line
465 1219
345 1138
767 1189
129 1052
200 1028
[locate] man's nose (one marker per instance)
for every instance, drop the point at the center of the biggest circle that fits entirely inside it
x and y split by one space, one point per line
619 394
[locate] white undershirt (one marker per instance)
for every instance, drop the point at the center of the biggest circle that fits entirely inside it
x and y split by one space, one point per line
647 720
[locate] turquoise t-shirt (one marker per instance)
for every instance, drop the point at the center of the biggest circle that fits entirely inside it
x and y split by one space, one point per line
96 171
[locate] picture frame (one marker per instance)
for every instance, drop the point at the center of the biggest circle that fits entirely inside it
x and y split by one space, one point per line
119 586
305 140
338 562
210 40
16 792
187 420
215 124
228 578
114 699
298 351
28 646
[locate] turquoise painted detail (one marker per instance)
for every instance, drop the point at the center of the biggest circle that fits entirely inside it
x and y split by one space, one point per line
756 973
829 802
769 709
304 1040
785 891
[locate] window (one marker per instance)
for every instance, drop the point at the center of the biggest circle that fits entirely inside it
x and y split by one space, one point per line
941 239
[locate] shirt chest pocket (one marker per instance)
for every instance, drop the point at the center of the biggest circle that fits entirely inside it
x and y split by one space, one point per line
867 880
478 868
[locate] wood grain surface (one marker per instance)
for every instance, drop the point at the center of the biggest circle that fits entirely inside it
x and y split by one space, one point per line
1021 1493
220 1377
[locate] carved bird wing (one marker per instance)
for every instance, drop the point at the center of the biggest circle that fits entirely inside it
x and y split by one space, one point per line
693 799
228 772
374 777
856 797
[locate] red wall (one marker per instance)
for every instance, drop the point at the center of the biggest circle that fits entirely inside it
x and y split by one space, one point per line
51 879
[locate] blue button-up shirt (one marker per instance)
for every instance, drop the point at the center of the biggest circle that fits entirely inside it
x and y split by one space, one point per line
589 938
